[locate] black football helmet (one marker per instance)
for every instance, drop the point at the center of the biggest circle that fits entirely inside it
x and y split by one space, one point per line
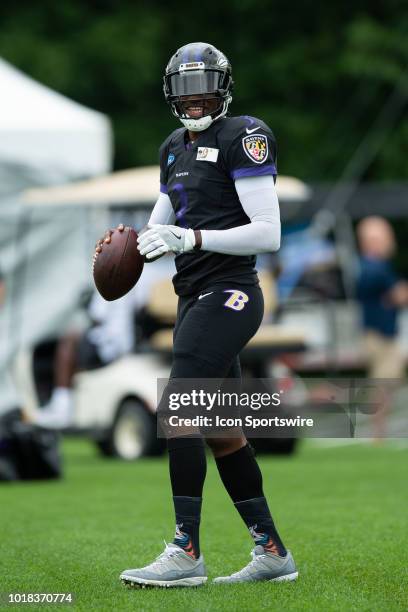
198 69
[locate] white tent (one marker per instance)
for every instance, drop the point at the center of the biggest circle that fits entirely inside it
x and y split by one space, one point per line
46 138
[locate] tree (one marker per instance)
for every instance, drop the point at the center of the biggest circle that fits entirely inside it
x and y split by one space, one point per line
318 74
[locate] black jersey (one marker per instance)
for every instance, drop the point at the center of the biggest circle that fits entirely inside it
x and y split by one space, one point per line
199 179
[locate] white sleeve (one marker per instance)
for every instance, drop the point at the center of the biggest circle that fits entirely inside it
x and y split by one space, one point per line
163 212
260 202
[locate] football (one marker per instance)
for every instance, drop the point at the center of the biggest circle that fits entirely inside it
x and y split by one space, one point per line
118 266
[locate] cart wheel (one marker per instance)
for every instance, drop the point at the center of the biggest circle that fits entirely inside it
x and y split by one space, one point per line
133 434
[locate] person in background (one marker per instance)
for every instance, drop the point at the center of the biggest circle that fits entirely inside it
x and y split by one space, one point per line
381 294
109 337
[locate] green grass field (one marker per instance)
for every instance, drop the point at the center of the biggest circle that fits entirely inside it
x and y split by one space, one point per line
342 512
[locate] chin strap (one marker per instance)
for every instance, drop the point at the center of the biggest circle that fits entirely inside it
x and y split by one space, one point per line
199 125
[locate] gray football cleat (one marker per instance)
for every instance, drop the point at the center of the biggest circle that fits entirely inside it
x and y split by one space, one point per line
263 566
173 568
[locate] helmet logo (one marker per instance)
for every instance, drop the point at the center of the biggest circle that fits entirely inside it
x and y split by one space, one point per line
256 147
222 62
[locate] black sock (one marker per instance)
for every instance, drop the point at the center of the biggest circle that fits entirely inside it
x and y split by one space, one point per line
188 467
188 514
257 517
242 478
240 474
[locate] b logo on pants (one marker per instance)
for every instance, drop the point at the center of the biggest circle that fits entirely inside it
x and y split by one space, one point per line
237 300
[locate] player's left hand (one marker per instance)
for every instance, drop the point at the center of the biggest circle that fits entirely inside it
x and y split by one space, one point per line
159 239
106 239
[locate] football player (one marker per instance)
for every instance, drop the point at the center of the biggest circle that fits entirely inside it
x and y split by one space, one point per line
217 210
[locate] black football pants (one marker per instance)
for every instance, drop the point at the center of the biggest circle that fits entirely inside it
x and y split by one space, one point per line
210 332
212 328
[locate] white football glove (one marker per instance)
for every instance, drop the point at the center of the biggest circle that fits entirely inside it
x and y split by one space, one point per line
159 239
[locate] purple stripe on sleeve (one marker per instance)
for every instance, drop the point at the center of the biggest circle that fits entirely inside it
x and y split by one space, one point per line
250 120
163 188
254 171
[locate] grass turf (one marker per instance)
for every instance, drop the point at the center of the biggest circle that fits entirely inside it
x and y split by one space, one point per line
342 511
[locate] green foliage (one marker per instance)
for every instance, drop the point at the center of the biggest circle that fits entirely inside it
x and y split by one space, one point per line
318 73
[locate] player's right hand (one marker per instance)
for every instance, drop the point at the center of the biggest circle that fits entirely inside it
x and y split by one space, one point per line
152 259
159 239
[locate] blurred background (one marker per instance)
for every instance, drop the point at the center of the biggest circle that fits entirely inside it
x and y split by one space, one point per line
82 117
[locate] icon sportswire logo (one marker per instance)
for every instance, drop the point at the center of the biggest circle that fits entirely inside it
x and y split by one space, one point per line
248 131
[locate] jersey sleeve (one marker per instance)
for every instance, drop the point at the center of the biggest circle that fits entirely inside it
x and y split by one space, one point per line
252 153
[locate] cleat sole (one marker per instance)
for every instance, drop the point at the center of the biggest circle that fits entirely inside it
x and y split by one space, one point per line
132 581
286 578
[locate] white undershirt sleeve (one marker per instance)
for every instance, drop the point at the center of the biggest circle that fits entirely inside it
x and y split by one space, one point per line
259 200
163 212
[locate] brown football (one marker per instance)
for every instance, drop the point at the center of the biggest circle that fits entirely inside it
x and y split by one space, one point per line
117 268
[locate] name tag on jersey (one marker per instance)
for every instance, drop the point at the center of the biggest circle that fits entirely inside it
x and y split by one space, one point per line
207 154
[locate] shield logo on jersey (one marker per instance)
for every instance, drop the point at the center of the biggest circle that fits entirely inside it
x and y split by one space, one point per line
256 147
